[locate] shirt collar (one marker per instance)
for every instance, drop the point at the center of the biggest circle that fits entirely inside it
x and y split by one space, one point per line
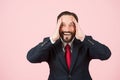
70 43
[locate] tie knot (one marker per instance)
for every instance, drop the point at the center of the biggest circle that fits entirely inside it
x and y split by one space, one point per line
67 46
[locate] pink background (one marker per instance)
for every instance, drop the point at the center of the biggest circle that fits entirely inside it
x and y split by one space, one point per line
24 23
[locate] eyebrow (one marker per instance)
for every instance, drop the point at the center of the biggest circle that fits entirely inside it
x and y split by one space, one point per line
72 23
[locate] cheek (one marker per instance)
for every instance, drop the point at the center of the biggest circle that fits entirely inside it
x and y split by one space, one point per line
73 28
60 29
70 28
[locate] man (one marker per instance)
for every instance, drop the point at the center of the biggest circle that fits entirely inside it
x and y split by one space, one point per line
69 51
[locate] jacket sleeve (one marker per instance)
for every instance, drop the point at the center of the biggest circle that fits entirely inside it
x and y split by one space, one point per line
40 52
97 50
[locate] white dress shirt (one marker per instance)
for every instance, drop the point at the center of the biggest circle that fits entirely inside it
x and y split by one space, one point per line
64 43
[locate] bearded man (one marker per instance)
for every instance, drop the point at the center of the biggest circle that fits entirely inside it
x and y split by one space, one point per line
68 51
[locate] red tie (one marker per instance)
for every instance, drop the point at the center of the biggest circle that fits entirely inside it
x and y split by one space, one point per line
68 55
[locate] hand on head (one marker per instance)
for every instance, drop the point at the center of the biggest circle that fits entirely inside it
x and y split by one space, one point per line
56 35
79 33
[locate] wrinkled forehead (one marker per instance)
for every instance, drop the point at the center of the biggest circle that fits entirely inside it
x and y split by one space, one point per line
67 18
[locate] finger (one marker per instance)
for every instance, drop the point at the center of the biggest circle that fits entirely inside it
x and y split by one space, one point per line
76 23
59 24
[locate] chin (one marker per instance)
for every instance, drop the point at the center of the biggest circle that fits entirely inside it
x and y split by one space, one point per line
67 39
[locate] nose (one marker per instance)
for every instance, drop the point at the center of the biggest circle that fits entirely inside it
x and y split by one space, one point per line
66 28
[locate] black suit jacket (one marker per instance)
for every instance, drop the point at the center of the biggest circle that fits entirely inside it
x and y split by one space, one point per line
82 53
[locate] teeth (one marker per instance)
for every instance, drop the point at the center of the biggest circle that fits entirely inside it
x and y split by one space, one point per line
66 33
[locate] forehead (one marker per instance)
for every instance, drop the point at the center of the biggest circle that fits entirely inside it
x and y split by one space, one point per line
65 18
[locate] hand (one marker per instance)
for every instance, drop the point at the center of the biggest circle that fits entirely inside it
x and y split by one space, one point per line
56 35
79 33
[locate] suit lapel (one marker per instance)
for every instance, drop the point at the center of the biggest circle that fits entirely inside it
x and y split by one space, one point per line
61 54
62 59
76 45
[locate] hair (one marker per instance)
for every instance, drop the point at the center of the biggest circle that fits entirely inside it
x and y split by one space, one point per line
67 13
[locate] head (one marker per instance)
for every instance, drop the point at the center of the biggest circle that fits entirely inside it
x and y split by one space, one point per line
67 28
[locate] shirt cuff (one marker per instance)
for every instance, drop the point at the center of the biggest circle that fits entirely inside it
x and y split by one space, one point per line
83 39
52 40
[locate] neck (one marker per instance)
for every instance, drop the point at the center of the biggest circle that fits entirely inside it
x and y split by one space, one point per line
70 43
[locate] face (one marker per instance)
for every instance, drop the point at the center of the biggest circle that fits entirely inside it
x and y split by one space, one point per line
67 28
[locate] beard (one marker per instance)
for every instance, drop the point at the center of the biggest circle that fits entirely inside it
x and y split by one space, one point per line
67 36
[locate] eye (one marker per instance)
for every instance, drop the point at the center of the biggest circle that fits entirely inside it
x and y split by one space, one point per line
71 24
62 24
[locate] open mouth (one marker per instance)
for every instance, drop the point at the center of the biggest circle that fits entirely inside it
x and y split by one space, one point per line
66 36
67 33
